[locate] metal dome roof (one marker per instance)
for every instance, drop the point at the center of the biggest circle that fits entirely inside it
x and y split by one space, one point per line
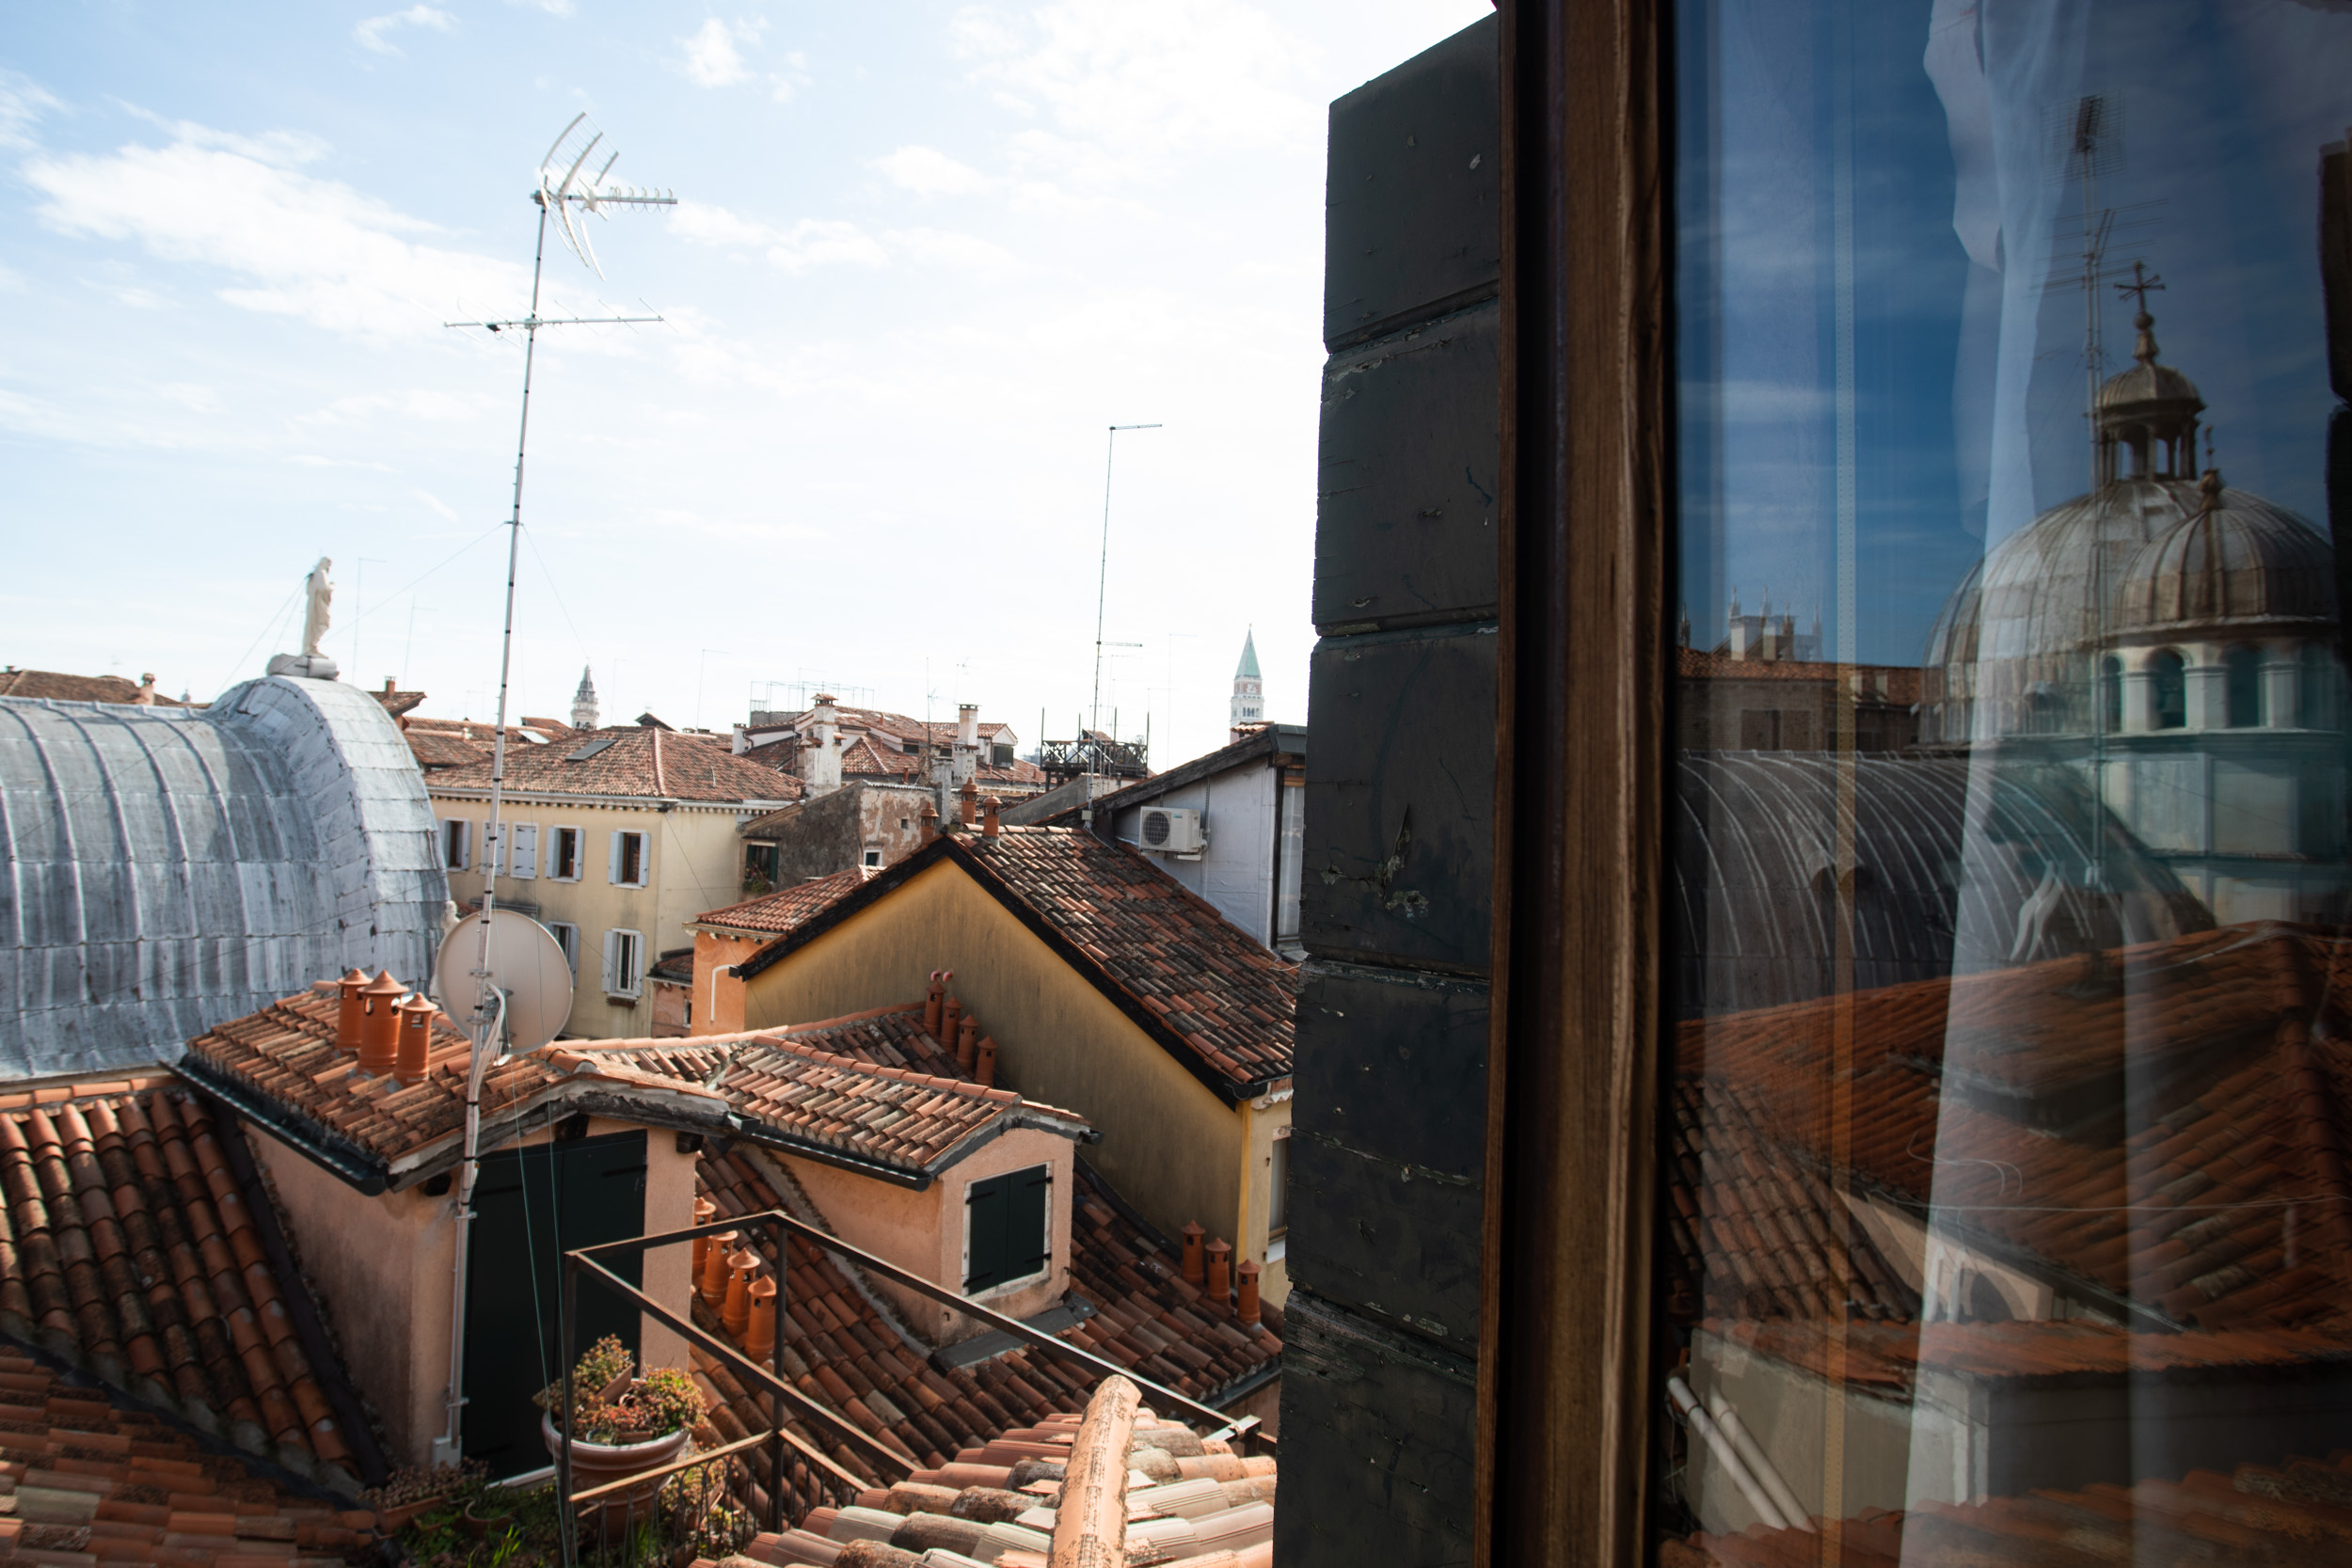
1958 864
2237 558
170 868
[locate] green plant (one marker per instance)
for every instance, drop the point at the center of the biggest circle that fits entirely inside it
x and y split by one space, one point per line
612 1404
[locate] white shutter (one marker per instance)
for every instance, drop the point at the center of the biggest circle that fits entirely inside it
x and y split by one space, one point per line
524 861
612 962
612 859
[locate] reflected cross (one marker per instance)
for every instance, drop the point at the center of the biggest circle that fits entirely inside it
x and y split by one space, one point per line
2141 286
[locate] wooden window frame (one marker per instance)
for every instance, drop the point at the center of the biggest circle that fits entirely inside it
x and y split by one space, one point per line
1564 1400
1045 1220
555 832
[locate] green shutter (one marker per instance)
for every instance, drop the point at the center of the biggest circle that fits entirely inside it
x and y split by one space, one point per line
1005 1228
985 1207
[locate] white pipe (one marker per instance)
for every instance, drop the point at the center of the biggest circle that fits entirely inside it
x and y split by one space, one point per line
1728 1417
446 1446
710 1002
1694 1415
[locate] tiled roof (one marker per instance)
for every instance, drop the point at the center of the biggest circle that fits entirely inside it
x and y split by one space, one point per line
91 1482
2238 1043
816 1102
58 688
639 761
783 910
1199 984
2293 1513
395 702
676 967
843 1354
132 1254
438 749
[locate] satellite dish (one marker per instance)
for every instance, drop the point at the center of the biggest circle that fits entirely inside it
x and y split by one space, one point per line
525 962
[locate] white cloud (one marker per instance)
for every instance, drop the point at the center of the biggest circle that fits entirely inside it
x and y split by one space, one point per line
311 248
928 171
278 149
713 59
825 242
967 253
786 84
22 104
191 395
371 32
833 242
1134 90
553 8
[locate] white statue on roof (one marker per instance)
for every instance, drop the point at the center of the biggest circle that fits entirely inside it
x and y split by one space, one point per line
310 663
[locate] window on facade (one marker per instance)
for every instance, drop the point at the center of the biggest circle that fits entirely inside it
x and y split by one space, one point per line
624 963
2242 673
523 859
628 867
2168 689
456 844
567 938
1999 1197
1006 1233
873 857
1278 1209
564 853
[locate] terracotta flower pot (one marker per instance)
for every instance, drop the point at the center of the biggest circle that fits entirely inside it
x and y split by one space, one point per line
391 1521
596 1464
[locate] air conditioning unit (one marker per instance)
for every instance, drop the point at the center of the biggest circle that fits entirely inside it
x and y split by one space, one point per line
1171 831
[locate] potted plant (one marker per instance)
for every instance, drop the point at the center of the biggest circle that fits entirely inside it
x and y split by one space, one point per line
625 1420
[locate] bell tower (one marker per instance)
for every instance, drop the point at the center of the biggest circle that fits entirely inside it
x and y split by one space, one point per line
1248 703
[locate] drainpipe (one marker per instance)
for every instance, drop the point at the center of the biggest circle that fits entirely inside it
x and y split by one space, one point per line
445 1447
1694 1415
710 1002
1767 1473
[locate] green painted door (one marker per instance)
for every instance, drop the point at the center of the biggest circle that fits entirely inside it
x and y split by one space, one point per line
530 1206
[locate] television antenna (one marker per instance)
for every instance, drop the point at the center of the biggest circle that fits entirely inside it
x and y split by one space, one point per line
1102 591
569 195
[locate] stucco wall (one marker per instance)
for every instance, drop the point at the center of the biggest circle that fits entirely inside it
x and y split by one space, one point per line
1255 1203
384 1265
832 831
923 1232
1240 808
1172 1148
694 867
719 998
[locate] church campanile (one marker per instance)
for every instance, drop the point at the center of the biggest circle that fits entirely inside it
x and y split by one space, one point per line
1248 706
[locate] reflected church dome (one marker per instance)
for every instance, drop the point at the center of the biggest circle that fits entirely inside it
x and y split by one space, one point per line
2236 561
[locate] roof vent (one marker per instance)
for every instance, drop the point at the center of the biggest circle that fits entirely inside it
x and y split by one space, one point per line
591 748
1172 831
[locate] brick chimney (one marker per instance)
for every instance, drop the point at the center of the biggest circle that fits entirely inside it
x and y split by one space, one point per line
379 1025
1192 1234
1220 1282
968 1042
350 1010
1248 1312
984 1069
714 1280
989 808
415 1046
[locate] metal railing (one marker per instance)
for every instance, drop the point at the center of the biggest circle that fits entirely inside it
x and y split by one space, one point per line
820 1471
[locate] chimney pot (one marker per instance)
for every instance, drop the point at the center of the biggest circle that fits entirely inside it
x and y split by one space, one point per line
967 1042
990 807
379 1025
1220 1272
760 1341
985 1068
931 1001
968 803
350 1010
737 1313
1248 1312
930 822
415 1046
704 1212
1192 1234
714 1283
951 1017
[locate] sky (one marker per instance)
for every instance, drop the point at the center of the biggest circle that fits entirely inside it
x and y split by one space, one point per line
923 254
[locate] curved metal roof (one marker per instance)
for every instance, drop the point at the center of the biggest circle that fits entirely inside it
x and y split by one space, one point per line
1957 865
170 868
2240 562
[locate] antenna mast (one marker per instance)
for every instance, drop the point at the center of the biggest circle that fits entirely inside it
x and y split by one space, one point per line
1101 593
564 194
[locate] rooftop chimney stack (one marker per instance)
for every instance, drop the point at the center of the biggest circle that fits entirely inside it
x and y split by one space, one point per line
968 1042
968 803
714 1280
1220 1282
147 691
821 757
350 1011
1192 1234
929 822
704 1212
379 1025
415 1046
737 1314
1249 1312
985 1068
759 1341
989 808
950 1019
933 1000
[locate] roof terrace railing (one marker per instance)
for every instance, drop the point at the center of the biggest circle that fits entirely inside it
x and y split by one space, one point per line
1244 1432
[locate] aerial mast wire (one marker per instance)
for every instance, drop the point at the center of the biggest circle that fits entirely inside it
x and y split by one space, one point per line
1101 593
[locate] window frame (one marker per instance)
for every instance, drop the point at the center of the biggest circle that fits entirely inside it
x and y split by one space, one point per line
567 937
616 940
580 852
613 856
1045 1240
457 837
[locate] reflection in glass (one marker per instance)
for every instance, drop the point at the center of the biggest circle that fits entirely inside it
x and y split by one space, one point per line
2005 1207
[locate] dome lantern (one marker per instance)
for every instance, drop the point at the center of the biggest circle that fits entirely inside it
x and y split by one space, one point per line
2150 410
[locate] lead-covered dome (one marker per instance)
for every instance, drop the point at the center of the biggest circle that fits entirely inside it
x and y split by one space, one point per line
2236 561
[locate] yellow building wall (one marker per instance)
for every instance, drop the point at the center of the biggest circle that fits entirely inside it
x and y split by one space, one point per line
694 867
387 1277
1171 1147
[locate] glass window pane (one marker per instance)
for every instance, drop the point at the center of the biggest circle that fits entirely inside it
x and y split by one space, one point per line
2004 1203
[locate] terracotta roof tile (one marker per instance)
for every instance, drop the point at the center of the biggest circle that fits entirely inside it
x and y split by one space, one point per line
789 906
132 1254
54 686
634 760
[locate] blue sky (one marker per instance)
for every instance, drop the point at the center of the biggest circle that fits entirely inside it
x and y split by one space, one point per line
924 254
